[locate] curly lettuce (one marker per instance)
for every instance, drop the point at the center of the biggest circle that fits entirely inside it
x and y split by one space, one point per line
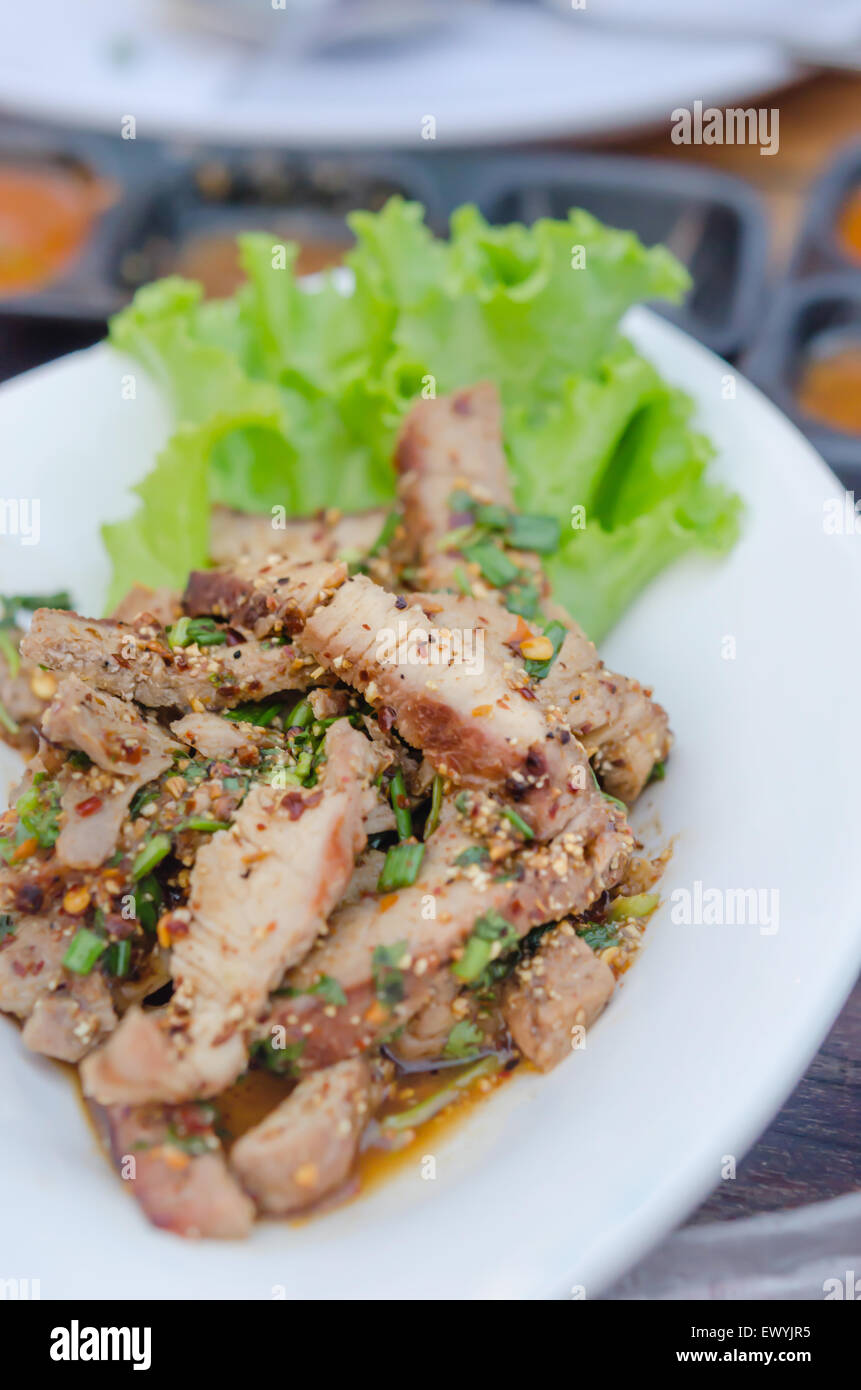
290 396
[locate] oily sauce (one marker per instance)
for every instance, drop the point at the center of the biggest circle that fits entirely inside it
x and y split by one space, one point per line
47 214
829 388
849 225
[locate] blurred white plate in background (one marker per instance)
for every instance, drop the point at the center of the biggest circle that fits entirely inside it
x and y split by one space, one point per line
485 72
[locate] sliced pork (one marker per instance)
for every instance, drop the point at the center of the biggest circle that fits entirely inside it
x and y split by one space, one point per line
64 1014
305 1148
125 751
161 606
384 951
454 701
446 445
554 994
274 596
260 894
237 536
136 663
624 731
174 1164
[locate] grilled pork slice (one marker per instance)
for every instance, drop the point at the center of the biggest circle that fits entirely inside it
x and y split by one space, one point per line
264 597
425 1035
305 1148
224 739
473 720
554 993
126 752
161 606
624 731
260 894
174 1163
384 951
236 535
452 443
64 1014
136 663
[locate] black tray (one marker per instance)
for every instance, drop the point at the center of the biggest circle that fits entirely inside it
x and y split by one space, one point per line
167 193
815 308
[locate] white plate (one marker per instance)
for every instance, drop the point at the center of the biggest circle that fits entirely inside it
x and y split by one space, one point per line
489 73
563 1180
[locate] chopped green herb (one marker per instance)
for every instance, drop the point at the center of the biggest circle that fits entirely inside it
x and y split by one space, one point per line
435 807
390 525
83 951
142 797
461 501
255 713
387 973
658 772
7 925
400 806
539 533
203 632
177 633
300 716
280 1060
461 579
148 901
473 854
204 824
402 866
491 937
329 990
518 822
39 810
457 538
464 1040
152 853
599 935
494 564
119 958
523 599
494 517
538 669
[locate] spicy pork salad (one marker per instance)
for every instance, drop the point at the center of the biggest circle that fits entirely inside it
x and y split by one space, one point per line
325 826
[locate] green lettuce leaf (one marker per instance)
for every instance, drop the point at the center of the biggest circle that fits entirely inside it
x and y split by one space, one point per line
286 396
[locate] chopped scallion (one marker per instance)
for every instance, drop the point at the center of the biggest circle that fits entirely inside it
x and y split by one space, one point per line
494 564
402 866
152 853
435 807
83 951
398 795
539 533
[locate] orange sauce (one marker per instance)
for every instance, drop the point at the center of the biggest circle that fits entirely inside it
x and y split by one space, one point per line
849 225
377 1163
46 218
829 389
